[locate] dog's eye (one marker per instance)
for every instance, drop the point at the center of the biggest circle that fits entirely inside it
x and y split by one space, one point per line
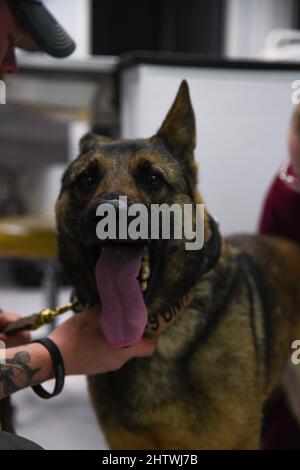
151 180
87 181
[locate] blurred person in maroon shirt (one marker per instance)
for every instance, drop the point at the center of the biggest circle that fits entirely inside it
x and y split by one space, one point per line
281 217
281 212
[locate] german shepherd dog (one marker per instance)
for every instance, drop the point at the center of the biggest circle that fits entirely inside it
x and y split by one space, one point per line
225 315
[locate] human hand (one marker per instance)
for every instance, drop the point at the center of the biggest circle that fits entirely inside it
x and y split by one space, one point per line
16 339
84 349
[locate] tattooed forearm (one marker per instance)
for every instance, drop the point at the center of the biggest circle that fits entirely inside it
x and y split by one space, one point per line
16 373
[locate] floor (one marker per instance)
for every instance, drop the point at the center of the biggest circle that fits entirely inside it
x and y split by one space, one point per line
66 422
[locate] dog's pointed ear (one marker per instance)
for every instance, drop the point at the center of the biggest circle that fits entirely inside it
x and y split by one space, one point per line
179 129
90 141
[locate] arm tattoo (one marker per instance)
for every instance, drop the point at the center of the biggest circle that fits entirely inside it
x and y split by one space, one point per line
16 374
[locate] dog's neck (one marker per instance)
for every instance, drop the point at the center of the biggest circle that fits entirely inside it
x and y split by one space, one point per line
209 296
210 256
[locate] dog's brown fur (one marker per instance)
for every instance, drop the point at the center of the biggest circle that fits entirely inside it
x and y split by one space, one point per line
219 363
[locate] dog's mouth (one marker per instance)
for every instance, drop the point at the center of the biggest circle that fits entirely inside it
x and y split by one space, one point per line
126 275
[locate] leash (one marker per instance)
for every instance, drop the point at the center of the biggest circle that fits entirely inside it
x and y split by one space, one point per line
37 320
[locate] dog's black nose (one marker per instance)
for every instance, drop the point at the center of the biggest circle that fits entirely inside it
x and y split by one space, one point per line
111 197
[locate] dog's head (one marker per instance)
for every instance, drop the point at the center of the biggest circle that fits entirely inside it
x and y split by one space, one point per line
133 279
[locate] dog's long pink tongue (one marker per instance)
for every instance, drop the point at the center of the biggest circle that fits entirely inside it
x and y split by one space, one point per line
123 310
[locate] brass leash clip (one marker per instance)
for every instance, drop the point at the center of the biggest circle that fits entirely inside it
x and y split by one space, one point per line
48 315
37 320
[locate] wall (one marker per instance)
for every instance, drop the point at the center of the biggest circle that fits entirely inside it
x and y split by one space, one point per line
249 21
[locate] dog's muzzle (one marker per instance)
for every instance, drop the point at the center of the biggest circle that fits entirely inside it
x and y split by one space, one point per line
114 209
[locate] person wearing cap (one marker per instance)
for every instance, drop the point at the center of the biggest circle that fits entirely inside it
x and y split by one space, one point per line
29 25
77 346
